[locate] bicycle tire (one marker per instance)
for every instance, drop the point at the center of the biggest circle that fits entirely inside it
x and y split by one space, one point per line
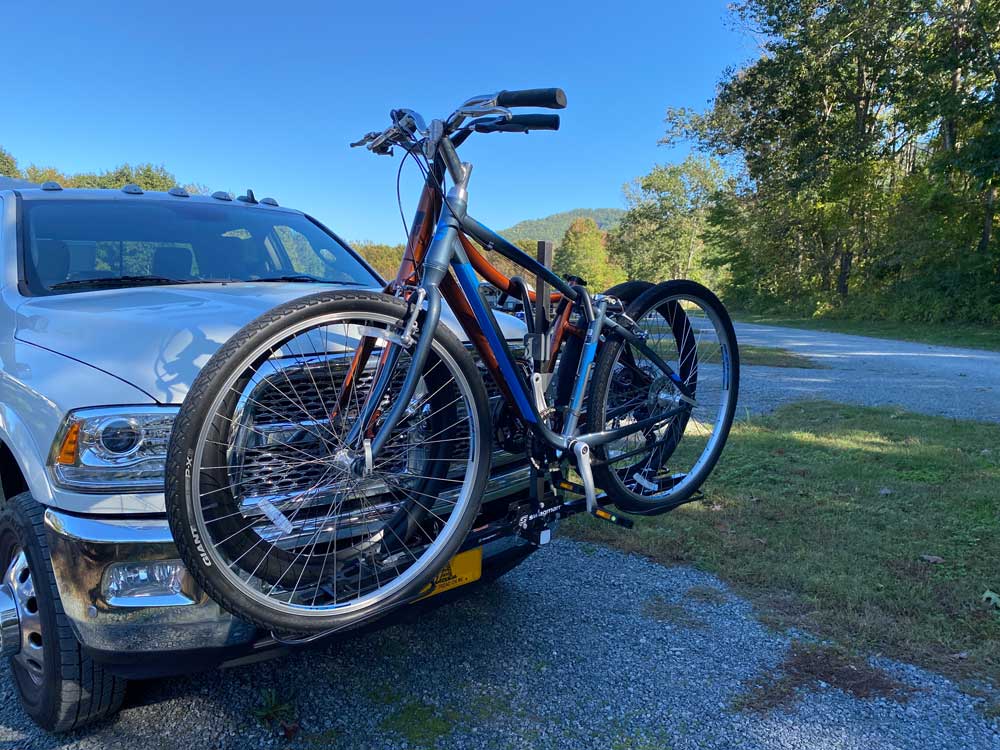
612 480
195 420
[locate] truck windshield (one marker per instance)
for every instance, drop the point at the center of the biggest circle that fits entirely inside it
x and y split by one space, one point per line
83 245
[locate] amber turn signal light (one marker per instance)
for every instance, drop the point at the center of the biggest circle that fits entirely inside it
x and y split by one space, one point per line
67 451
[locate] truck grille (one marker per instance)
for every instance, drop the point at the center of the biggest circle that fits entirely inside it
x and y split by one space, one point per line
298 399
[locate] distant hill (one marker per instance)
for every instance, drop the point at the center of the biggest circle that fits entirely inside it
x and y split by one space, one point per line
554 227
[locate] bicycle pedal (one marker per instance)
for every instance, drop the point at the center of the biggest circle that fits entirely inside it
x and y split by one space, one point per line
606 515
565 484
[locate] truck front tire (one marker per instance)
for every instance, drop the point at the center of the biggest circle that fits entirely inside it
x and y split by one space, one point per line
61 689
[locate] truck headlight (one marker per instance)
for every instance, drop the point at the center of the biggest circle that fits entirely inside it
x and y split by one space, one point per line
113 449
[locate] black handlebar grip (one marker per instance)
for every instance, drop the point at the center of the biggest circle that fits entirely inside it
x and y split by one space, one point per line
546 98
520 124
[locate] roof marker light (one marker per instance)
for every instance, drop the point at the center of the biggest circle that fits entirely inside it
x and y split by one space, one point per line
222 195
132 189
179 192
50 185
248 198
269 201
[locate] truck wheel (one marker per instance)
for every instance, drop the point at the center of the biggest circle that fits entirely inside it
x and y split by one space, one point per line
59 687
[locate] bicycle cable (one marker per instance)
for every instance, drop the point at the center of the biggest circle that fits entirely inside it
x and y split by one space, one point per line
399 195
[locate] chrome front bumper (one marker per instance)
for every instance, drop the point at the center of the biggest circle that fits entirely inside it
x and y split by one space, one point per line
82 549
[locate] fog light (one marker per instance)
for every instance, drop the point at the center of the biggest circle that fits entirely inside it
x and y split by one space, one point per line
163 583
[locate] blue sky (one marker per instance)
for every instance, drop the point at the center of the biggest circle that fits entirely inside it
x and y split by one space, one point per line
268 94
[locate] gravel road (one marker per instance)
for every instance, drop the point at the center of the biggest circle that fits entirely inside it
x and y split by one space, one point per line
963 383
567 651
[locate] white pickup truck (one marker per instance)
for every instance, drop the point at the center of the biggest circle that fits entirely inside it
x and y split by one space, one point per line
110 303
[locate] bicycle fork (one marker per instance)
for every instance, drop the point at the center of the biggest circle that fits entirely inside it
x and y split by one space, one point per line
429 293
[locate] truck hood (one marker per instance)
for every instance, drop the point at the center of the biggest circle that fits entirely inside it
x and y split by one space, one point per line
158 338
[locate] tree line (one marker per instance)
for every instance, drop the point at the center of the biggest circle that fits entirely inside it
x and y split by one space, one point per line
147 176
664 207
864 152
850 170
582 249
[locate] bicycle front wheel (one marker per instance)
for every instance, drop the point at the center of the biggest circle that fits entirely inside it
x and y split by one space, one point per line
277 505
661 466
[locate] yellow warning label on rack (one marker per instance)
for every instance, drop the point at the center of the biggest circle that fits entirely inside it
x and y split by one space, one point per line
463 568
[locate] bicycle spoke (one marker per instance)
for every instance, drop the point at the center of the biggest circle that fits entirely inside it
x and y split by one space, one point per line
683 333
282 500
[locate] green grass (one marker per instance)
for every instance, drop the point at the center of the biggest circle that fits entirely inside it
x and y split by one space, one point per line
821 514
943 334
766 356
274 708
384 695
421 724
706 594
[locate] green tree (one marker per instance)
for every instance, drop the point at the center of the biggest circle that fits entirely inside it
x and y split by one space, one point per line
8 164
664 233
583 253
384 258
146 176
864 143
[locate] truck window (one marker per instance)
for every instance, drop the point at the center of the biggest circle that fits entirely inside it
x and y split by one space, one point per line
76 245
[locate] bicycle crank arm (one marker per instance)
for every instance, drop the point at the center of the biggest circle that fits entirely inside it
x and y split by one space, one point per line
583 455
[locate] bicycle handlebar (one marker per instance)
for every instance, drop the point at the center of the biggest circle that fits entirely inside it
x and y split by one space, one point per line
517 124
545 98
408 127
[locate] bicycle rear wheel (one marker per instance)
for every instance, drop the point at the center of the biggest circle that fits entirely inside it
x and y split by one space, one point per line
658 468
277 509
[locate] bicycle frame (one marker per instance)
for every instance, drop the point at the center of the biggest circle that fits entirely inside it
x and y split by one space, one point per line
436 247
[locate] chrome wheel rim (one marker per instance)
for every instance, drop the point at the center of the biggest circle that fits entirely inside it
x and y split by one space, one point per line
30 656
276 351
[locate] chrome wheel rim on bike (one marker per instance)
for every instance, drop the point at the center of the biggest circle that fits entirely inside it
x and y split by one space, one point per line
289 516
656 468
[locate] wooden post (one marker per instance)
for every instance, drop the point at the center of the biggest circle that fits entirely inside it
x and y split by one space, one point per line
541 291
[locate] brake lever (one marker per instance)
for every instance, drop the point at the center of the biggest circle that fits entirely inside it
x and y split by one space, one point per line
366 138
381 144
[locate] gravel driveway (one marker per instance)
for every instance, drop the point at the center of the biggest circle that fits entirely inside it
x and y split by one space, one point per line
566 652
541 660
963 383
